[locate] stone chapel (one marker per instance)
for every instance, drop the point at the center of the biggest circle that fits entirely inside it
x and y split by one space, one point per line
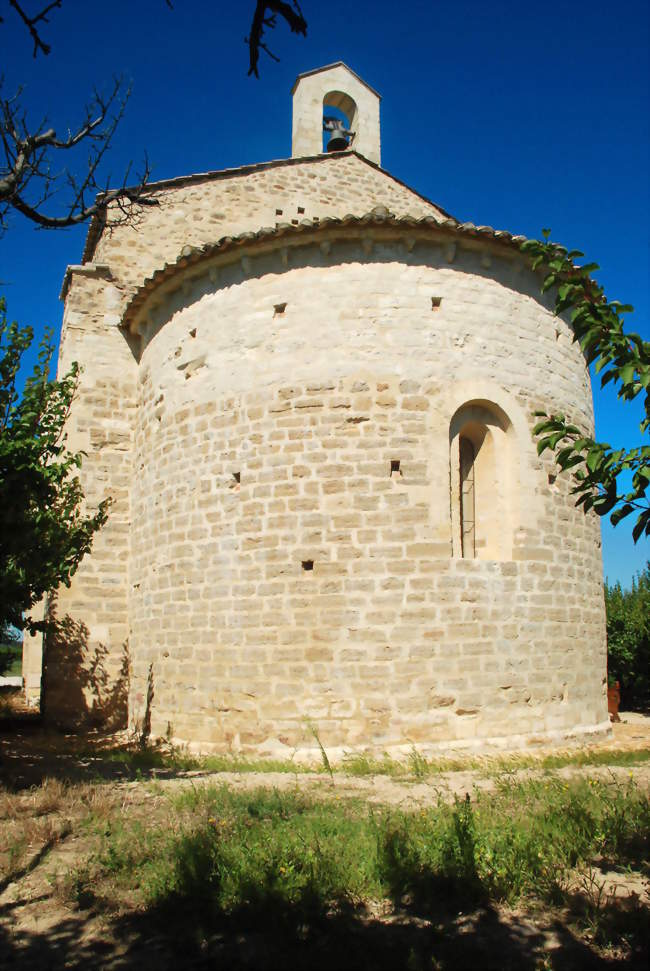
309 391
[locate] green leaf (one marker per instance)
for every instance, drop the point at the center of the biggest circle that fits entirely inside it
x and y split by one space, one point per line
621 513
43 533
642 523
626 374
594 458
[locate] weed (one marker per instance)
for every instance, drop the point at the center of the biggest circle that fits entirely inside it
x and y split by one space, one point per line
233 763
419 765
358 764
137 761
323 753
586 757
607 917
75 887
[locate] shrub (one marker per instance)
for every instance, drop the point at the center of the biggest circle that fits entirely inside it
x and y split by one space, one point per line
628 638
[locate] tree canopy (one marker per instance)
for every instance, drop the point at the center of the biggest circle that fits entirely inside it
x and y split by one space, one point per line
628 637
43 532
600 472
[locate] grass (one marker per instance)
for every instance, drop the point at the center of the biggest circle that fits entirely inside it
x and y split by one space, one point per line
193 860
11 659
218 852
34 821
595 758
135 760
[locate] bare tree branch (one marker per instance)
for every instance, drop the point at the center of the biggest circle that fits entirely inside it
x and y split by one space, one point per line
31 22
27 177
265 15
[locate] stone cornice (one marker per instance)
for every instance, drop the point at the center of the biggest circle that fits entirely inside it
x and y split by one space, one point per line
376 225
83 269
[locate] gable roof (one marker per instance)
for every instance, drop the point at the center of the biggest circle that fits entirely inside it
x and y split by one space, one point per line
98 221
328 67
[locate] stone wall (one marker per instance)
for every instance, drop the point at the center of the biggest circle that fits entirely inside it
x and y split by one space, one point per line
283 576
198 211
249 434
85 664
85 657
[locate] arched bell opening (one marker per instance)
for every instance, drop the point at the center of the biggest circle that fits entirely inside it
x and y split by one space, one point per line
340 116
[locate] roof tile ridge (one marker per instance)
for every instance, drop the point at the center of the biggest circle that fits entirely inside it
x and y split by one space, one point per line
379 216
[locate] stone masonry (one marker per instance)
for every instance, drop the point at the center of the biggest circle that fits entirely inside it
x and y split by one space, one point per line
280 366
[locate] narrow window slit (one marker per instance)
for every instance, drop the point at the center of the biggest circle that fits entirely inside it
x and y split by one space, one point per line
237 477
279 308
308 565
467 499
395 467
435 303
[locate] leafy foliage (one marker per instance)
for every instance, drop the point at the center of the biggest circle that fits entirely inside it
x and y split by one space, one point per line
43 533
623 358
628 637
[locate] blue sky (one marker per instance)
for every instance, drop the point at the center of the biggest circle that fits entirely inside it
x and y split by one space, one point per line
514 115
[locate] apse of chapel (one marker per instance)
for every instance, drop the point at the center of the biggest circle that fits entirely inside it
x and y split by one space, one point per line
311 393
222 304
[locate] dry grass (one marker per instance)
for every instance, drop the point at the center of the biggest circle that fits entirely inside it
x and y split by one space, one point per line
181 853
32 822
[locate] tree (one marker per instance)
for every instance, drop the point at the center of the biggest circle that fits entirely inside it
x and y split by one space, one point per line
31 156
43 532
598 469
628 637
265 15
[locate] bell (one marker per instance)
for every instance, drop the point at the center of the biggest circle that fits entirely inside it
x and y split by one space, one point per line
338 142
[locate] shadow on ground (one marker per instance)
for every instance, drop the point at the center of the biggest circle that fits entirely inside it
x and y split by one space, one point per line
31 752
273 936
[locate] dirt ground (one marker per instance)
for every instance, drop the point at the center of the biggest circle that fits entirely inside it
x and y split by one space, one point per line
39 931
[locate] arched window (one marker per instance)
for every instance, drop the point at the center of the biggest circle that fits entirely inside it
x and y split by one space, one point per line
483 482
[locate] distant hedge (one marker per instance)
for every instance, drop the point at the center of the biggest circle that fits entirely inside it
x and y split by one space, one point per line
11 658
628 639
